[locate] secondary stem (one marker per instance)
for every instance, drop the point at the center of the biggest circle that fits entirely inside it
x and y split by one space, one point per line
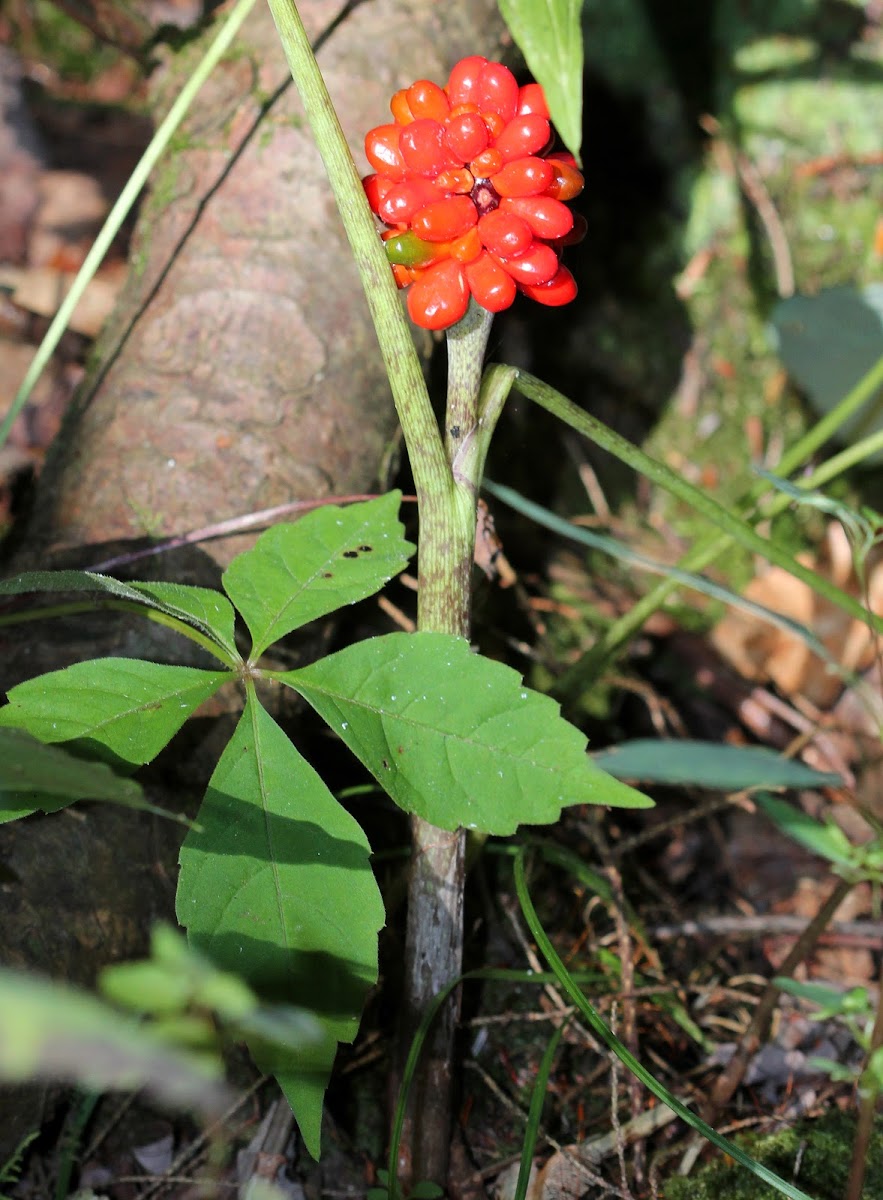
434 937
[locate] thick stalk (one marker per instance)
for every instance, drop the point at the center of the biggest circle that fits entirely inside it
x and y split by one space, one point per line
434 937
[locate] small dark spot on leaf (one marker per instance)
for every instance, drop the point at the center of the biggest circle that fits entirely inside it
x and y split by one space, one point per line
350 554
455 431
400 749
366 549
328 575
385 764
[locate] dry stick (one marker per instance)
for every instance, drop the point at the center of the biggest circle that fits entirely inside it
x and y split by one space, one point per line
629 1013
866 1112
757 1031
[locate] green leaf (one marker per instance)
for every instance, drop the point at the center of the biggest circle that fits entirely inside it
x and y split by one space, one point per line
52 1032
550 36
330 557
454 737
828 841
205 609
129 707
709 765
828 343
34 776
278 888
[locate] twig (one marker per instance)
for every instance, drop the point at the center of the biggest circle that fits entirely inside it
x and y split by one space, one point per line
757 1031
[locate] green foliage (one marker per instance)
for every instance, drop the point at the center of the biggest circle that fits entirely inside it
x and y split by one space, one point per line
709 765
549 35
829 342
276 886
454 737
815 1154
296 573
123 705
34 776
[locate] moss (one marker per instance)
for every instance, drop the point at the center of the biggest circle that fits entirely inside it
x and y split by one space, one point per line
813 1155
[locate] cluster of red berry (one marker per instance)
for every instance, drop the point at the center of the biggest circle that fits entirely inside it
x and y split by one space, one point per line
471 194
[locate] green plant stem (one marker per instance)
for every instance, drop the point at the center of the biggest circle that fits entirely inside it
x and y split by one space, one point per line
230 26
709 548
440 520
869 1096
434 934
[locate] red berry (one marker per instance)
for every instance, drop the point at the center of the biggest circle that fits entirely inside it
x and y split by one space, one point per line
522 136
423 148
486 164
383 151
376 187
567 181
404 199
561 289
463 81
444 220
400 108
427 99
455 179
492 287
467 247
466 135
504 233
495 124
440 296
537 265
532 99
548 219
497 90
523 177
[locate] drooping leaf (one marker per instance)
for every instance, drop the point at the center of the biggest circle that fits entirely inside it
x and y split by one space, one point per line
829 342
330 557
278 888
454 737
34 776
709 765
549 35
49 1031
206 610
130 707
828 840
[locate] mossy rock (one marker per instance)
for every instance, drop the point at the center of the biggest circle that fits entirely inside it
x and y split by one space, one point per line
813 1155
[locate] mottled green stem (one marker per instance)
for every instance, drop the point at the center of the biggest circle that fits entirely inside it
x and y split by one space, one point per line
434 938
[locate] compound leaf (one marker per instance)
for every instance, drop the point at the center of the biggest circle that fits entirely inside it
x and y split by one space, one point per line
454 737
332 556
129 707
277 886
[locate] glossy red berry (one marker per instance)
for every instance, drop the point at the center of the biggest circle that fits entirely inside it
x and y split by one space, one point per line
444 220
472 199
561 289
440 296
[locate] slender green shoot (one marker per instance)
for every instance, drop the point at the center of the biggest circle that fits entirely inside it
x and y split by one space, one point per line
612 1042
